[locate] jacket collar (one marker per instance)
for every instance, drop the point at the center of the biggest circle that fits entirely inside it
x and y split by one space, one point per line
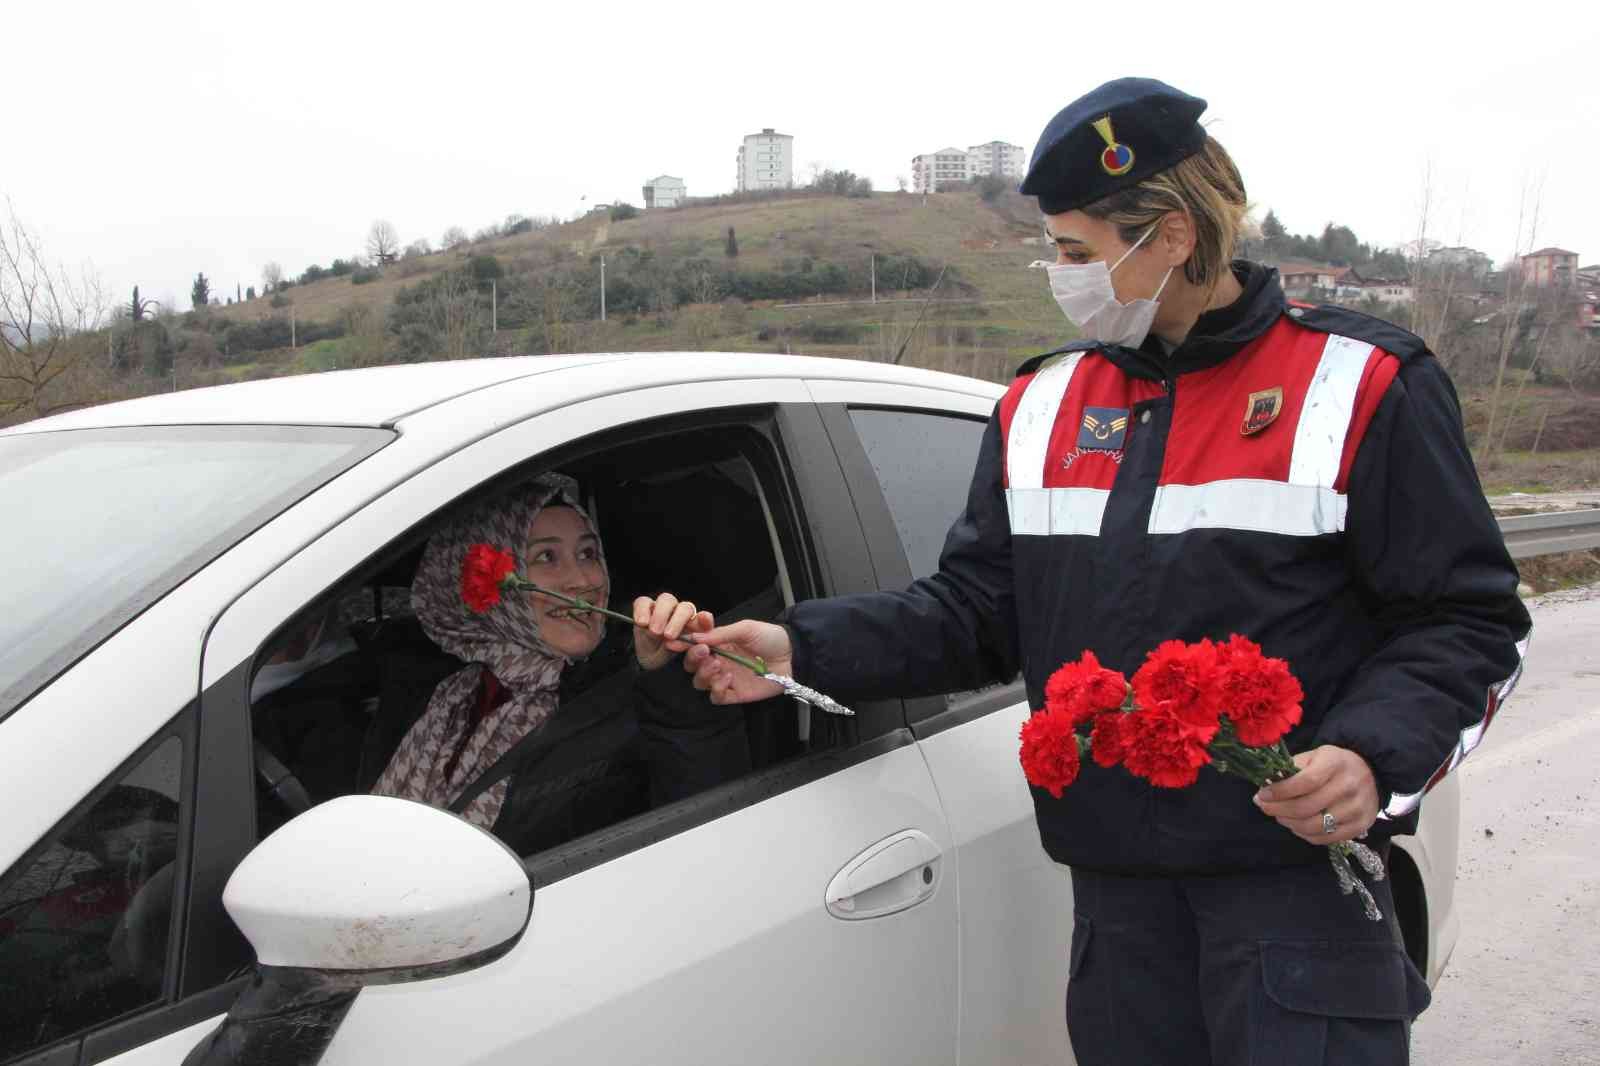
1217 334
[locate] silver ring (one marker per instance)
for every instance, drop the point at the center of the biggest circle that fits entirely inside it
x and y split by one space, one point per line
1329 824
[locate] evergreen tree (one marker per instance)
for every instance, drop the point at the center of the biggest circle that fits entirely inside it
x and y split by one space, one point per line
731 249
1271 227
200 294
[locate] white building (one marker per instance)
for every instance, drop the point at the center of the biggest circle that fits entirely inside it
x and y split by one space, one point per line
766 161
665 191
998 158
933 169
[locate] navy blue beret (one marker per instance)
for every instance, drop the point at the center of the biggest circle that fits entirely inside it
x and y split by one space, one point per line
1111 139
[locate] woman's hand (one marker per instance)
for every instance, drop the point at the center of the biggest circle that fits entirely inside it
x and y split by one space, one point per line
728 682
657 625
1333 780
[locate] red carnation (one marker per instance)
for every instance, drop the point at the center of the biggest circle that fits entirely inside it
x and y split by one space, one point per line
1108 741
1049 751
1181 678
1084 689
1259 695
482 571
1164 748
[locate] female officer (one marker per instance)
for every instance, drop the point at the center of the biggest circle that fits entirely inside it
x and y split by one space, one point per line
1207 460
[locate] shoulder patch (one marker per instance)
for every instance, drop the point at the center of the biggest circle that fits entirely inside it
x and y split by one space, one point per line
1325 318
1037 362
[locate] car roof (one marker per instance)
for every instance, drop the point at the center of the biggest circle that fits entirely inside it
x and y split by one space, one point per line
381 396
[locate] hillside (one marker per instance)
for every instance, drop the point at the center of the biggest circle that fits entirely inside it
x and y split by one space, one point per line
988 314
801 282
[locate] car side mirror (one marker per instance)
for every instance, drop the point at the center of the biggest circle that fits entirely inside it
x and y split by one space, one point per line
360 890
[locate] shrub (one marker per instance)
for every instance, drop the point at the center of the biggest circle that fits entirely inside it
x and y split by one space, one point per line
484 269
363 275
623 212
280 300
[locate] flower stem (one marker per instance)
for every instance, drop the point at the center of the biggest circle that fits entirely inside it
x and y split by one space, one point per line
578 603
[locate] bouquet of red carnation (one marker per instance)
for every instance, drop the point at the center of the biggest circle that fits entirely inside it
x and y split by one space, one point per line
1189 706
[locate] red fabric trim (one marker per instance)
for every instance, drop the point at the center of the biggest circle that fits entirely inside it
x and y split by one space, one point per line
1207 444
1375 381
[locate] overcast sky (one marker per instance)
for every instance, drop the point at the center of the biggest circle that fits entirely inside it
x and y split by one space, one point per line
157 139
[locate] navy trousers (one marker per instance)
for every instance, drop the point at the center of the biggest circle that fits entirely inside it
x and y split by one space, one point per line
1266 968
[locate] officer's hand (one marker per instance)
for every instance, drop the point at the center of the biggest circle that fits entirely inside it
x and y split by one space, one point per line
657 625
728 682
1331 779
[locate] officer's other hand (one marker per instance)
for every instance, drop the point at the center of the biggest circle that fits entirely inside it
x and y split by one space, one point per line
1331 779
728 682
658 623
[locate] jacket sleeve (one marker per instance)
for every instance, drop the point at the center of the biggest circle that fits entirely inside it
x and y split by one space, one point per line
1432 564
689 743
955 629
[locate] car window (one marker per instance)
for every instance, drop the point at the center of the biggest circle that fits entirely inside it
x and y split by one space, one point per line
356 694
84 919
924 464
116 518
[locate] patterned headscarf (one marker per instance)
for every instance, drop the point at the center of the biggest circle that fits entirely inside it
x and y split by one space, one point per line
443 753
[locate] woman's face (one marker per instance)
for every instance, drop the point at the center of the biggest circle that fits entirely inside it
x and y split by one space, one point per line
1081 239
563 555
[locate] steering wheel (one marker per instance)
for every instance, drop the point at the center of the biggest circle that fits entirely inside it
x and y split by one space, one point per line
279 782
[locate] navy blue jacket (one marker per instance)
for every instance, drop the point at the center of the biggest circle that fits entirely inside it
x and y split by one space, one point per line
1399 615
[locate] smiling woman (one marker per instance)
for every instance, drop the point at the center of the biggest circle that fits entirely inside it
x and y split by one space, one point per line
649 737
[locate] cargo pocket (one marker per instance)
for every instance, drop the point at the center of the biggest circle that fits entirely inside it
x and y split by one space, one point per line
1334 1001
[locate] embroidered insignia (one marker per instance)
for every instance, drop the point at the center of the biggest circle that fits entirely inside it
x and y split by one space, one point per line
1261 410
1078 453
1103 428
1117 159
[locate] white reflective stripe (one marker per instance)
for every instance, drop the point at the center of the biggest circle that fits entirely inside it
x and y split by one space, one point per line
1028 443
1041 512
1401 805
1325 417
1248 503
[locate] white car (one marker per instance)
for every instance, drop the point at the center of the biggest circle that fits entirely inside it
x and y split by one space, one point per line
205 620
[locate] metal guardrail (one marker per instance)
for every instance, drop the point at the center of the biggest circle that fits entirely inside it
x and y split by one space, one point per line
1556 531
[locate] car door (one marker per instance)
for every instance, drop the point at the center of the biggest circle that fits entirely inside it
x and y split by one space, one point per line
801 914
908 456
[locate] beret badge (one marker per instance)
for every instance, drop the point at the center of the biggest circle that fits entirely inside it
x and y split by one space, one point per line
1117 159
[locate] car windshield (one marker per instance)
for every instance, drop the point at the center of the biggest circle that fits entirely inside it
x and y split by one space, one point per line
101 523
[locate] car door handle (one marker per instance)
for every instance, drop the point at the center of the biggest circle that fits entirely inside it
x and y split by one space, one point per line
895 873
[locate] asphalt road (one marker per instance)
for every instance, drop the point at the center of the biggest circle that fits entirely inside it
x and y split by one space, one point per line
1524 983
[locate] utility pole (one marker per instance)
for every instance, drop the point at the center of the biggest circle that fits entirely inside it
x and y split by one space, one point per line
494 306
602 288
292 342
874 277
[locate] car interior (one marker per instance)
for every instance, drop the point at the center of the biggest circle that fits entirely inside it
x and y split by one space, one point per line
337 688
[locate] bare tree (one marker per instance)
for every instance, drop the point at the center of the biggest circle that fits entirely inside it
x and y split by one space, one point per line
44 315
383 243
558 304
456 315
271 278
1512 323
453 238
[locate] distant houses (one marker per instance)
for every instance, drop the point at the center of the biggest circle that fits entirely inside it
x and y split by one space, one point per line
664 191
932 171
1550 267
766 161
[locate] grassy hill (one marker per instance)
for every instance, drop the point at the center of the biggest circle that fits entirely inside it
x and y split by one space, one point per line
988 314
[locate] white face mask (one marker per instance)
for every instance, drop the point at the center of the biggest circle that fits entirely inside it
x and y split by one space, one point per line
1083 292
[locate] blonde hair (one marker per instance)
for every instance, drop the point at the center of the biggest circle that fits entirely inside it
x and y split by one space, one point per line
1207 188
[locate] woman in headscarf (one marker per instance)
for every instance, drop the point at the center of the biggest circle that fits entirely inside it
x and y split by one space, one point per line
551 731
